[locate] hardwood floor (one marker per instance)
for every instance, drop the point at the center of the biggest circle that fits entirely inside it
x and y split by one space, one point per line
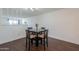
53 45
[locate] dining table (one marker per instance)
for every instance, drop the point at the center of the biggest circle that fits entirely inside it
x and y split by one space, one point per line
37 32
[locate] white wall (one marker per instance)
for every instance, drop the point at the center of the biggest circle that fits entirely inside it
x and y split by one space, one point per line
12 32
9 33
62 24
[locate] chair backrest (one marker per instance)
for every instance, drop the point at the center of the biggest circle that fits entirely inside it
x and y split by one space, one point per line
44 34
31 34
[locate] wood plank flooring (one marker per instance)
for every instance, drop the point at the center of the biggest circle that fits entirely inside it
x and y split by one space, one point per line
53 45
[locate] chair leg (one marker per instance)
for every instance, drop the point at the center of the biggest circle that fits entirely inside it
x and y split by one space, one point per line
41 41
26 44
47 42
29 45
44 44
32 42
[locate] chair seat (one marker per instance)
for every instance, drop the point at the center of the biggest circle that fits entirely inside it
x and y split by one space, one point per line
41 36
32 36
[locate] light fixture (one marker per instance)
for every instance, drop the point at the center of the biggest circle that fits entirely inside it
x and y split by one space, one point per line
32 9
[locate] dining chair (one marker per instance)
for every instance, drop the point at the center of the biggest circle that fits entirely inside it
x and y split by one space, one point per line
31 37
44 36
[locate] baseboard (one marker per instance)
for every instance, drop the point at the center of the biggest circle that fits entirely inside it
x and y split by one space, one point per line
12 40
58 38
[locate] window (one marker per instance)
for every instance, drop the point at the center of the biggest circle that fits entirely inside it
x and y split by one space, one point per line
13 22
16 21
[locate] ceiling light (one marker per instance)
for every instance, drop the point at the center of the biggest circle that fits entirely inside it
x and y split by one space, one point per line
32 9
26 8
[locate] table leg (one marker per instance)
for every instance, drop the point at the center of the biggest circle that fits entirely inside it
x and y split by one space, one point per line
37 41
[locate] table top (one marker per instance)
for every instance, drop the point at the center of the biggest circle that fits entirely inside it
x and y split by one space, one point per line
33 30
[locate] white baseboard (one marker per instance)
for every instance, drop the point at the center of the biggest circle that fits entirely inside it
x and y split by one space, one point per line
12 39
62 39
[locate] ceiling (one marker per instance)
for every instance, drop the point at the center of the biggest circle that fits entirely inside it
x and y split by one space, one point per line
23 12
